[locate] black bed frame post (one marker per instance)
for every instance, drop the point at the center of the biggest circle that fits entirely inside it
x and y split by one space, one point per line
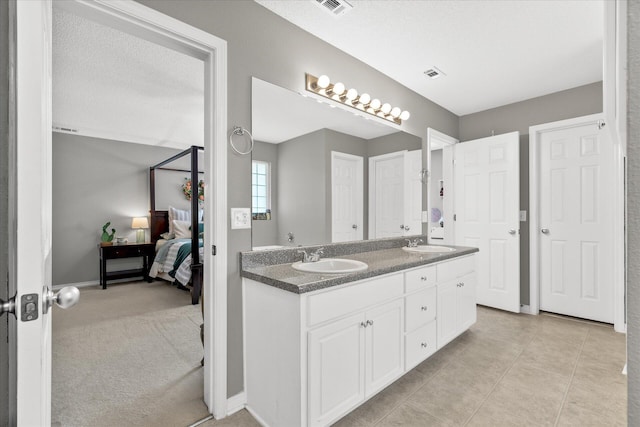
152 188
196 264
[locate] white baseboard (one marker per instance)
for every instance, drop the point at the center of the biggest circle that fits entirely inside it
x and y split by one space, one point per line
236 403
257 417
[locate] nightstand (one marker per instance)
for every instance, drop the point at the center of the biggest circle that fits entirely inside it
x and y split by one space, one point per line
129 250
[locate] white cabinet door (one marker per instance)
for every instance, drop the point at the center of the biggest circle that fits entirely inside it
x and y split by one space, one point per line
447 312
336 369
467 302
385 350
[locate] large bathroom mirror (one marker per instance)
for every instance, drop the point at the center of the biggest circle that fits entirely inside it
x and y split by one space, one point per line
325 175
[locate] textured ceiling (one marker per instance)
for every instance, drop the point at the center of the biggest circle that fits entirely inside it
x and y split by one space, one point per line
109 84
492 52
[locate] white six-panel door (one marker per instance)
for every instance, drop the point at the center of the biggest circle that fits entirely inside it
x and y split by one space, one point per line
487 215
386 200
413 195
347 195
576 275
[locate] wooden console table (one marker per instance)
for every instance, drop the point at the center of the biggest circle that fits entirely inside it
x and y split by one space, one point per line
129 250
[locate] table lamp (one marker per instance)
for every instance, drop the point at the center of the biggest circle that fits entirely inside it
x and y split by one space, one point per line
140 224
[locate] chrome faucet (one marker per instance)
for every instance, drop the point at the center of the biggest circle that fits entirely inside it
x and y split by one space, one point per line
312 257
413 243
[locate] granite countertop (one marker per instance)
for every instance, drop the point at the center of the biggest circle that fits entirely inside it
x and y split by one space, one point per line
380 262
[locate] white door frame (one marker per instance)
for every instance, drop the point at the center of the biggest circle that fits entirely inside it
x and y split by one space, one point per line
535 133
445 139
359 184
145 22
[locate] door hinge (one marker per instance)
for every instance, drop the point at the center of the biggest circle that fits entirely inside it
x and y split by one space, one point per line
214 250
454 217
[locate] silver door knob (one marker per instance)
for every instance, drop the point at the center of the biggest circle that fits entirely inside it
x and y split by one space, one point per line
406 228
512 231
401 226
545 231
354 226
65 298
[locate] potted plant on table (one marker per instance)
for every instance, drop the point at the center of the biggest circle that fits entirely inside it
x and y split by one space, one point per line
107 239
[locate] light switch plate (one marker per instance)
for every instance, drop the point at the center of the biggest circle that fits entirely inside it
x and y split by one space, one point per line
425 216
523 216
240 218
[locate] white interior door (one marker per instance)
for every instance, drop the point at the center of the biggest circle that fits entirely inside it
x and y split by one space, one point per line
448 196
32 215
576 234
413 187
487 215
386 199
347 196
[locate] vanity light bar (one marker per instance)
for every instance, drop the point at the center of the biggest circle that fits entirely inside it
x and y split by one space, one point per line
338 92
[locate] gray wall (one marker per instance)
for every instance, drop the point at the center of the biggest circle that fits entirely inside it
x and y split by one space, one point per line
633 213
4 209
576 102
302 190
95 181
394 142
265 231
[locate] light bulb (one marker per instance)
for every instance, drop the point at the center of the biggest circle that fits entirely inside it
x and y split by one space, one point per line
375 104
386 108
405 115
323 81
395 112
338 88
351 94
364 99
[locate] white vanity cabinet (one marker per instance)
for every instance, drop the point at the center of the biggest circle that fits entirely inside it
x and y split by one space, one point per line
311 358
456 298
351 359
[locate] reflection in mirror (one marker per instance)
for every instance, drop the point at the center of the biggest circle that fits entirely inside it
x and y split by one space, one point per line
440 193
324 175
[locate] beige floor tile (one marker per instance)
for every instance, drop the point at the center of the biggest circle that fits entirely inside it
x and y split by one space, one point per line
577 415
240 419
454 393
552 355
384 402
484 420
526 396
408 415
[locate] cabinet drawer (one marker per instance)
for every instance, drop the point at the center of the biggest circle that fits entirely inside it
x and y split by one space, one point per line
448 270
420 308
419 278
420 344
335 303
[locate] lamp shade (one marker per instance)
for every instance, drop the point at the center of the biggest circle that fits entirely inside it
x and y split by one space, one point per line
141 222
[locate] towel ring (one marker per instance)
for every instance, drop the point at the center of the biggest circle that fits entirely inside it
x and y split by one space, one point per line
237 130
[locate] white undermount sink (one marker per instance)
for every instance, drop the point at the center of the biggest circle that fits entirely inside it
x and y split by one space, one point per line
330 266
428 249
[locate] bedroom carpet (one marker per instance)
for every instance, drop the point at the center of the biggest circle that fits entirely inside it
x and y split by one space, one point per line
128 355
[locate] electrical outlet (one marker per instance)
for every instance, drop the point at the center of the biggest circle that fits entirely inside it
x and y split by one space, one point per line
523 216
240 218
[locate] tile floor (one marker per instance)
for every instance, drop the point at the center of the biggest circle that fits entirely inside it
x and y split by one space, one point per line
507 370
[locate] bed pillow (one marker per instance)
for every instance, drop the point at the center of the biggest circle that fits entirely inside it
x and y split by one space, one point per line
182 229
181 215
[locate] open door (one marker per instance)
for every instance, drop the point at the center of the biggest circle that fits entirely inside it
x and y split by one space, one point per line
487 204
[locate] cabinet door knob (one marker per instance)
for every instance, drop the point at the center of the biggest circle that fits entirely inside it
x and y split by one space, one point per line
423 278
370 322
363 324
423 308
424 345
462 284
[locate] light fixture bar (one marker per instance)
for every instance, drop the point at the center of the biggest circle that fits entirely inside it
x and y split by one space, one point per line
351 98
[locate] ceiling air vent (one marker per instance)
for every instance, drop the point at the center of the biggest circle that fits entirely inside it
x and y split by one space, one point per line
335 7
434 73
